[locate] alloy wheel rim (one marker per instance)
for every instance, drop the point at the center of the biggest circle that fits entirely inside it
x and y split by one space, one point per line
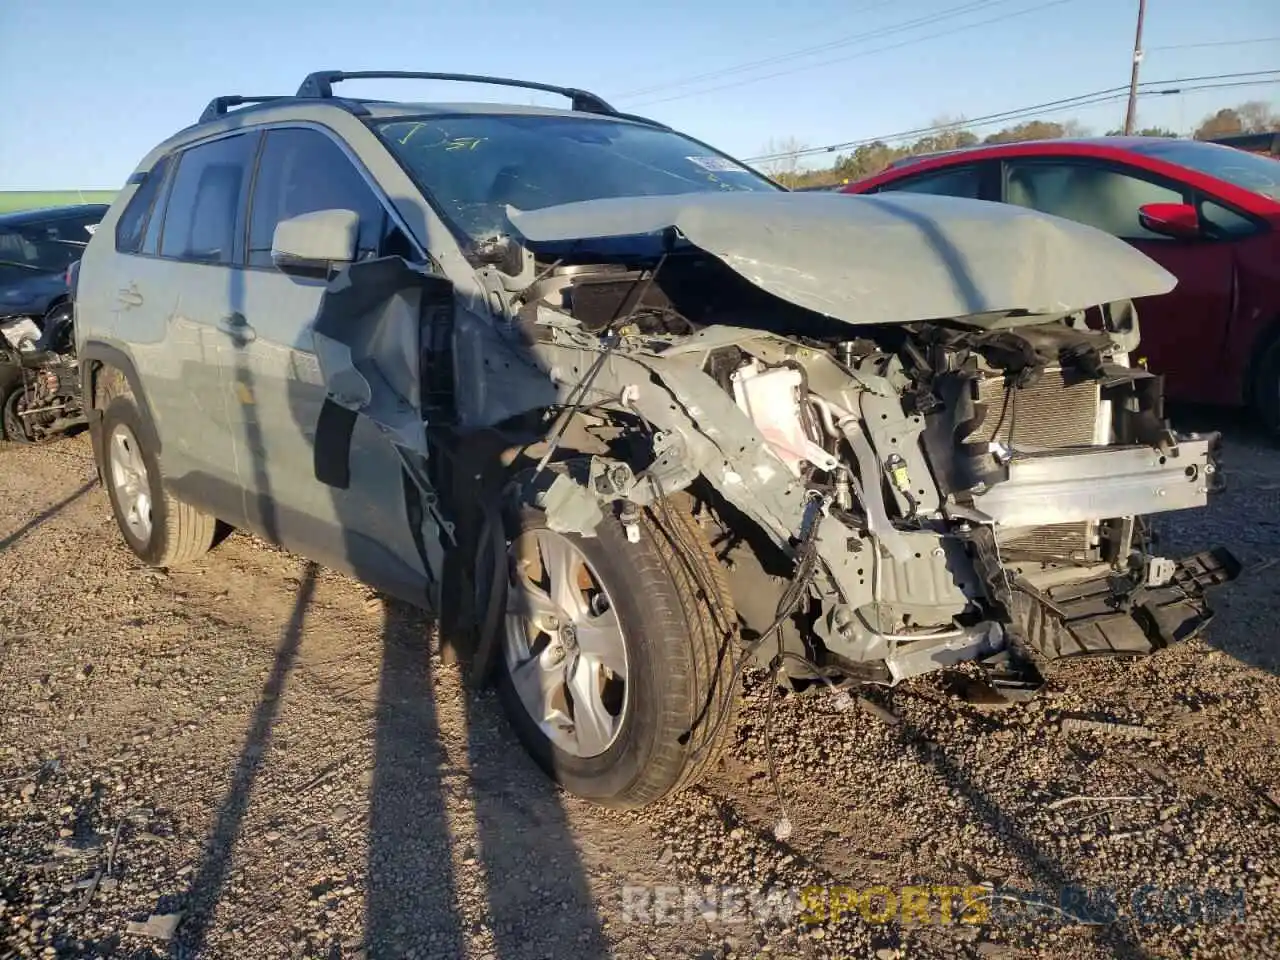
130 481
564 647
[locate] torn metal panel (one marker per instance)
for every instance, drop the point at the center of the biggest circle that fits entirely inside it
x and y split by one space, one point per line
367 339
922 656
369 343
676 397
497 373
894 258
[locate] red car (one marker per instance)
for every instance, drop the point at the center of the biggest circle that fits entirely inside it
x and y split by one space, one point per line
1210 214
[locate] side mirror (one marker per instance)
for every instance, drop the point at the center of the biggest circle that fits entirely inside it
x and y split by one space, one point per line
316 240
1179 220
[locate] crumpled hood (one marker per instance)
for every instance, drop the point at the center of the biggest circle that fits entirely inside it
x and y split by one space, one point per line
883 258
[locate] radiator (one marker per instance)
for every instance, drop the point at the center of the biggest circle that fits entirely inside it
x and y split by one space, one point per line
1047 415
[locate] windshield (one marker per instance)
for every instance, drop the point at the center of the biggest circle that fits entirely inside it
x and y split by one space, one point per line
476 164
1248 170
48 246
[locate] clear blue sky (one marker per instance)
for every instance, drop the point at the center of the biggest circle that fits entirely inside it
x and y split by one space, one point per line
88 87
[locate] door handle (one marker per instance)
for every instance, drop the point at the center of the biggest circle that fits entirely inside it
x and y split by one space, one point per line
129 296
237 328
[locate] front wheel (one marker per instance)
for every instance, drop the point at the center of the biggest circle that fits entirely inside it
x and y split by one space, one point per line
617 656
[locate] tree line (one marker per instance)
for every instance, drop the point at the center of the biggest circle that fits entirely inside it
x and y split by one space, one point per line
786 167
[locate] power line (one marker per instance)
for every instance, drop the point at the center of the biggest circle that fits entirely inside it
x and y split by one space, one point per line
857 56
1215 43
968 7
1022 113
1212 86
1030 113
802 52
1083 99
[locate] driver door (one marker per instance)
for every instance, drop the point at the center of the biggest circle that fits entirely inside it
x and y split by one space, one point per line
277 392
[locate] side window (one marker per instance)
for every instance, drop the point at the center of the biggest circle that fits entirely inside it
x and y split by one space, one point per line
132 224
951 182
1087 193
204 205
155 225
302 171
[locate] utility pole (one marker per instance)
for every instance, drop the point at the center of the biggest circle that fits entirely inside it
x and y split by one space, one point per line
1133 77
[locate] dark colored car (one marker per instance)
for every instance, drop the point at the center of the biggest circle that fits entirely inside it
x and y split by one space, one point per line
36 249
1210 214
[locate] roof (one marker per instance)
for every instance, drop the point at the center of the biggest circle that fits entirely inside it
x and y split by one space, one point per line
317 87
385 109
41 214
1117 143
1262 142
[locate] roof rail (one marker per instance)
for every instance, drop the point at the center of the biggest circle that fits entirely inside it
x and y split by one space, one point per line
218 105
319 85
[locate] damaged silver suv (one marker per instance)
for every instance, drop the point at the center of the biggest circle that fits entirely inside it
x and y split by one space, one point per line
627 416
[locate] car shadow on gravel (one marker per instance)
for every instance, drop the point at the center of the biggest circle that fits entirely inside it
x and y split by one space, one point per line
53 510
1056 896
215 862
535 901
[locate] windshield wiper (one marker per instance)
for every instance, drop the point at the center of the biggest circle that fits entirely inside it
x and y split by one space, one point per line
29 266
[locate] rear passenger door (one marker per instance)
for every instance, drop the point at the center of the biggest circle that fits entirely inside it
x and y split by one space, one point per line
275 385
173 301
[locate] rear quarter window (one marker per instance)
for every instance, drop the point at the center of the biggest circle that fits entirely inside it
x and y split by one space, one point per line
132 226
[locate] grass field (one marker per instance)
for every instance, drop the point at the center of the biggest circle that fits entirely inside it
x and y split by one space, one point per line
11 200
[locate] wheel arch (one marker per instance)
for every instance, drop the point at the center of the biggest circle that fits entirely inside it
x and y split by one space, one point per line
96 359
1267 338
62 299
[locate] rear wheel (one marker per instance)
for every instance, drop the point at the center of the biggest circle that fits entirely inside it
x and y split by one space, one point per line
1266 390
616 656
162 530
10 420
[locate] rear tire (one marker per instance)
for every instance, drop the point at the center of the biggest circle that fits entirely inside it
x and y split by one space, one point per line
162 530
680 652
1266 390
11 427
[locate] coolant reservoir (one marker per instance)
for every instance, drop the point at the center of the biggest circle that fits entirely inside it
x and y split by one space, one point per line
771 398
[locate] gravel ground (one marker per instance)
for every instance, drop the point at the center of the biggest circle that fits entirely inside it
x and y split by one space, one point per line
269 756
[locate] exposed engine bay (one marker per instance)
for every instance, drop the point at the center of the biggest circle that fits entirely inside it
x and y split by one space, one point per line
895 478
46 403
963 488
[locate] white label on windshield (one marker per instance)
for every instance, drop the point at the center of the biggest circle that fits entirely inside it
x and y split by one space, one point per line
718 164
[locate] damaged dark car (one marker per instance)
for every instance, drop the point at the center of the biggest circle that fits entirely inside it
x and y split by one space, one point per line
39 387
628 417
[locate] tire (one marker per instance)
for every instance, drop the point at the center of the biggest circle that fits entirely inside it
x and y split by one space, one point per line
174 533
1266 390
62 313
677 703
10 423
